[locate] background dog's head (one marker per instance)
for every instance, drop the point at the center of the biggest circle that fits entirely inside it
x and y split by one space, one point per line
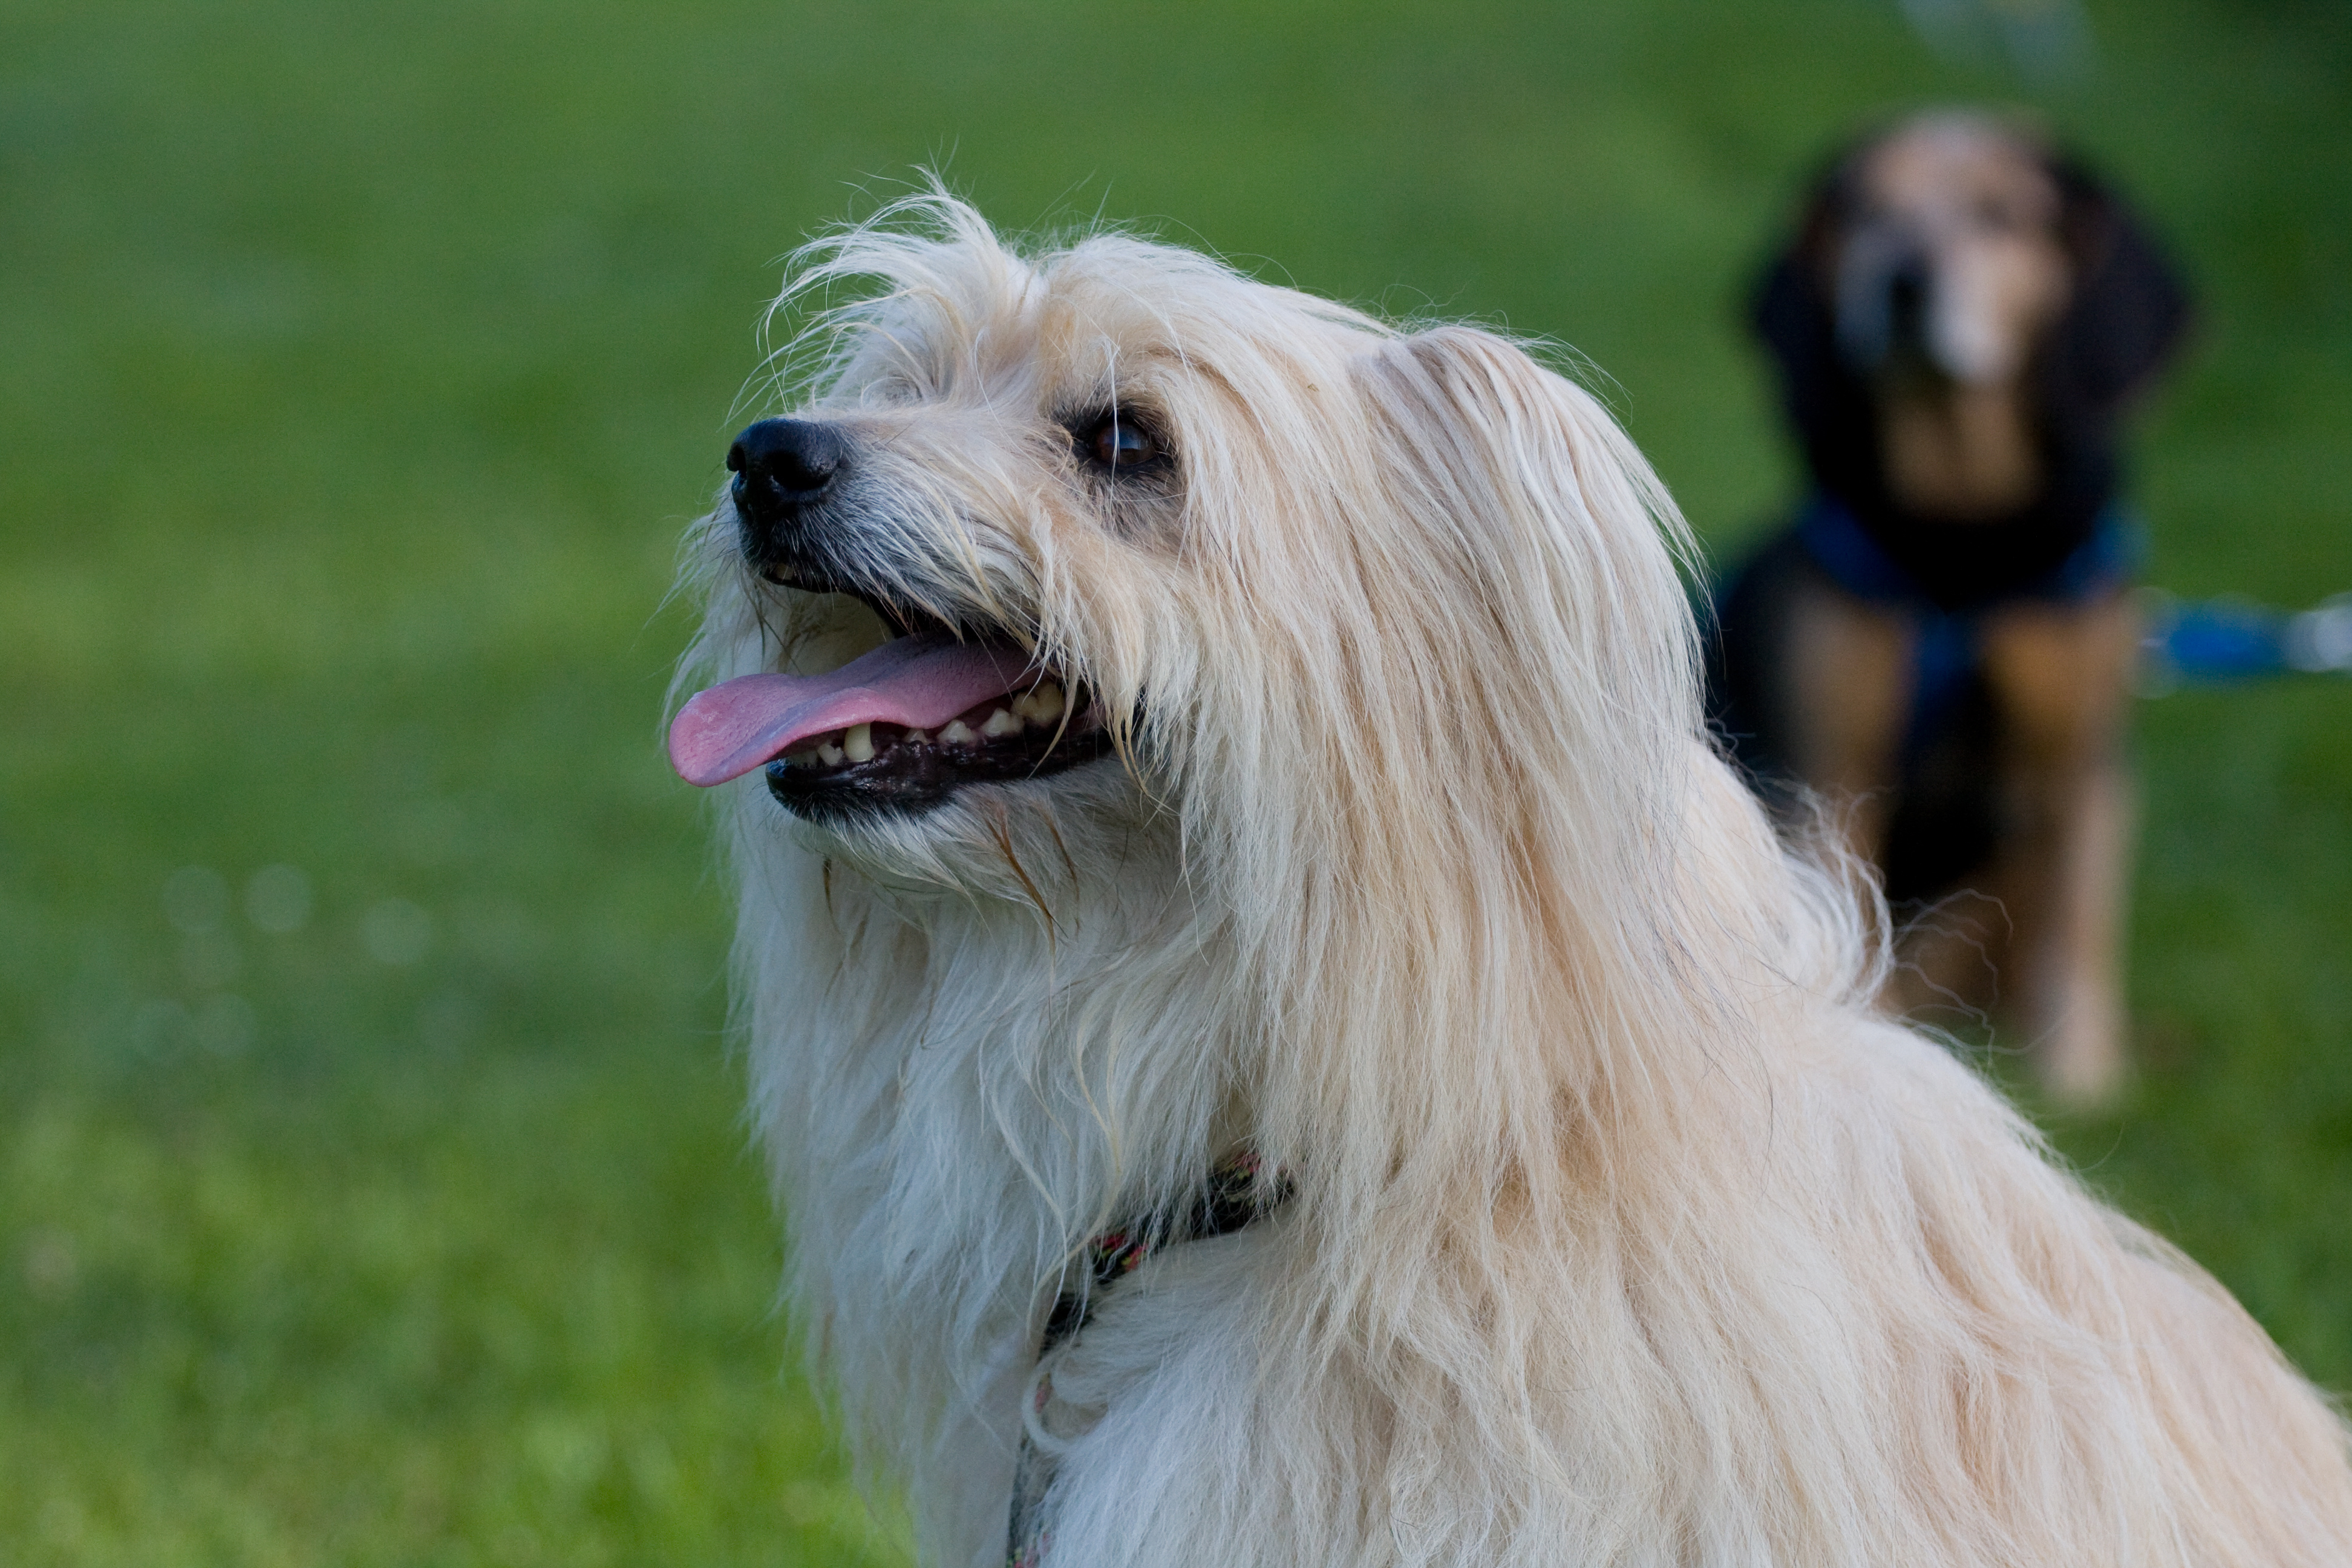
1112 539
1944 254
1966 301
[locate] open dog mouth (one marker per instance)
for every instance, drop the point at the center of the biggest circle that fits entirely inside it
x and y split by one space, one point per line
901 728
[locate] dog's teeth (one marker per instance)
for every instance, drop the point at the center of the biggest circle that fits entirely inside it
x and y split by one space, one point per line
857 744
916 737
1041 706
1000 724
958 733
829 754
804 757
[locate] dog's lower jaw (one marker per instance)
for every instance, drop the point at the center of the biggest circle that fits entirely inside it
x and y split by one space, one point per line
1016 850
930 779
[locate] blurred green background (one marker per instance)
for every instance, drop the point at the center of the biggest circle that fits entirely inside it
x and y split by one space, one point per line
358 364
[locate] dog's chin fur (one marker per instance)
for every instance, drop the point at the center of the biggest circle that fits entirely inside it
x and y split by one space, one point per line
1623 1231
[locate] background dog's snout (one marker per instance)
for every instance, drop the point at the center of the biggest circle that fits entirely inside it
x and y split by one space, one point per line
1885 290
782 464
1907 289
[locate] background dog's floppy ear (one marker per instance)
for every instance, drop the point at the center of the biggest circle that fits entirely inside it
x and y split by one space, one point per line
2129 309
1788 308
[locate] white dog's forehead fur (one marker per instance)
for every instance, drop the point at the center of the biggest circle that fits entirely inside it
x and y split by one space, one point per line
1110 321
969 371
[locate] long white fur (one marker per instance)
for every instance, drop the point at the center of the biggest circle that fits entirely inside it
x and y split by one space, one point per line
1624 1233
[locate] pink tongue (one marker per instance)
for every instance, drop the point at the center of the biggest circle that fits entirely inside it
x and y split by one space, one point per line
734 727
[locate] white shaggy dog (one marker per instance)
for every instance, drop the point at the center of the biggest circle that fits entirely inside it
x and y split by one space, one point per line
1290 750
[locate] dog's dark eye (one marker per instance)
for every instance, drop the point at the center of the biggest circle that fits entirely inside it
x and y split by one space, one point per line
1120 445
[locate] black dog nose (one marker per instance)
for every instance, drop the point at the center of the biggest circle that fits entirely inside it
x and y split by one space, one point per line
1908 286
783 465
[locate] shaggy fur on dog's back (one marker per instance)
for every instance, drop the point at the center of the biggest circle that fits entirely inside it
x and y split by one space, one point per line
1622 1231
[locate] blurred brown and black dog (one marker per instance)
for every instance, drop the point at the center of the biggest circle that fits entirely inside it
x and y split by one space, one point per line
1940 646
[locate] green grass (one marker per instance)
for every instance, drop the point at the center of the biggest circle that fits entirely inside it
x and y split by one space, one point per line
361 364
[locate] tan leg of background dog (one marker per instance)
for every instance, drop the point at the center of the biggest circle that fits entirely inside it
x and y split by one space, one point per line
2060 678
2048 913
1848 664
1848 676
1948 963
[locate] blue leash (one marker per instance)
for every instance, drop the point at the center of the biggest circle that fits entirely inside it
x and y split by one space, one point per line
2220 642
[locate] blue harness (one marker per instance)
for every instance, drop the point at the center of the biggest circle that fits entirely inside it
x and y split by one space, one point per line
1948 648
